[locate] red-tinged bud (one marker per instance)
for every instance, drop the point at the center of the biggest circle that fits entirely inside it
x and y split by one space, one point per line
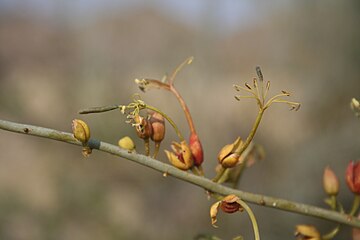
353 177
196 149
330 182
157 122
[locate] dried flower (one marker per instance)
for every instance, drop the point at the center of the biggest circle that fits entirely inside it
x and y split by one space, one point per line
229 204
353 177
81 131
330 182
142 126
307 232
229 155
126 143
181 157
157 122
196 149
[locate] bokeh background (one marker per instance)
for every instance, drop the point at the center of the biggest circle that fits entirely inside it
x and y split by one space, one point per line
57 57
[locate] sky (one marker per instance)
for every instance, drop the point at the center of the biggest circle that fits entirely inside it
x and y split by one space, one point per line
228 14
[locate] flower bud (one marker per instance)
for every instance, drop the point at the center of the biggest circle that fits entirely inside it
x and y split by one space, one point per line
126 143
196 149
354 104
307 232
330 182
142 127
353 177
81 131
181 157
228 156
157 122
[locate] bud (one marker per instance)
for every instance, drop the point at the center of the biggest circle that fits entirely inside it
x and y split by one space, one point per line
330 182
228 156
353 177
81 131
142 127
196 149
354 104
181 157
157 122
228 204
126 143
307 232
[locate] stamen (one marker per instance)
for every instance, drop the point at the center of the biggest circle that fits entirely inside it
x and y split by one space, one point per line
259 73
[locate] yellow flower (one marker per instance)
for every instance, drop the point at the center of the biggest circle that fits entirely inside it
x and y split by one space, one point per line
307 232
181 157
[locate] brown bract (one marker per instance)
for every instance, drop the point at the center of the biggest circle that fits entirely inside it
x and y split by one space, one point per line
157 122
229 204
228 156
142 127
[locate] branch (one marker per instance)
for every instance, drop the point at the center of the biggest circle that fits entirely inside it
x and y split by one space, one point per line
202 182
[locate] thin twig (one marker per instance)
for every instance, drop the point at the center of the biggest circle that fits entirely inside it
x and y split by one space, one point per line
202 182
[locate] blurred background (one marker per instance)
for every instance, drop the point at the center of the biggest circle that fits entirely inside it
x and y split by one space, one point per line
57 57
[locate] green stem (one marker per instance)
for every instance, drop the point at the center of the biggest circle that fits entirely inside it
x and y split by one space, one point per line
253 131
252 218
331 234
219 174
168 119
355 206
207 184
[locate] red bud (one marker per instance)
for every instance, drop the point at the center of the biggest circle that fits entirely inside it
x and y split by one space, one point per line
196 149
353 177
